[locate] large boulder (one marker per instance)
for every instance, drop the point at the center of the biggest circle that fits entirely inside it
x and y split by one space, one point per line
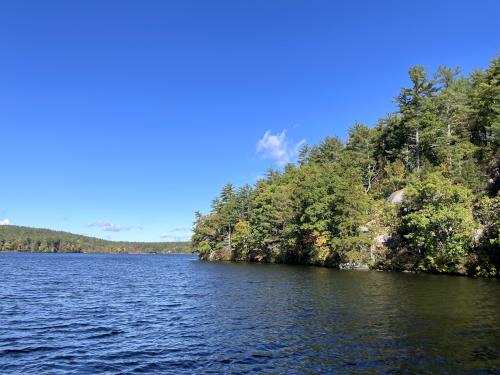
396 197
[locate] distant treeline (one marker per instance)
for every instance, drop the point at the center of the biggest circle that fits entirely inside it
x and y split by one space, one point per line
438 155
17 238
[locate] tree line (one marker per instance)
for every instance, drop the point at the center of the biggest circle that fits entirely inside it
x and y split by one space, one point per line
18 238
439 151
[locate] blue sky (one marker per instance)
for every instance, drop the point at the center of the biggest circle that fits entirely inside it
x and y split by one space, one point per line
119 119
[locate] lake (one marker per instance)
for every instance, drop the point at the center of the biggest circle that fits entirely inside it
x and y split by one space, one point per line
171 314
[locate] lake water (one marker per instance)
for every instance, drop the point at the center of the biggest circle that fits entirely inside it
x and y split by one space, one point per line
113 314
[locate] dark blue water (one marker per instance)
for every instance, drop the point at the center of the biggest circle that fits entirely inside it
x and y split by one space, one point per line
171 314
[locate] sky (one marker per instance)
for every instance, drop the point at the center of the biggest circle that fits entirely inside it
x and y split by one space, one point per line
119 119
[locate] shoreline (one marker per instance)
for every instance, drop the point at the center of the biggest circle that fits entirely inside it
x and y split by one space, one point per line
93 252
367 269
359 268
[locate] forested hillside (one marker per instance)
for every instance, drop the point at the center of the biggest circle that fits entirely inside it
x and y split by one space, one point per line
17 238
439 152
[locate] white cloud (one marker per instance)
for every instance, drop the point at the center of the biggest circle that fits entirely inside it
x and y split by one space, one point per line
168 237
110 227
178 234
277 147
182 229
5 222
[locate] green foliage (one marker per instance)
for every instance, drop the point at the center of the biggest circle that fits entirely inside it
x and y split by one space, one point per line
327 151
360 152
491 207
487 260
241 239
17 238
437 222
273 221
441 148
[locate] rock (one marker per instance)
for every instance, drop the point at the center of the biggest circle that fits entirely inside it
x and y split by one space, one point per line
478 234
396 197
353 266
380 240
378 246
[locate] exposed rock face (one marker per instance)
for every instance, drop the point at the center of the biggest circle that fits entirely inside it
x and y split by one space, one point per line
378 247
478 234
396 197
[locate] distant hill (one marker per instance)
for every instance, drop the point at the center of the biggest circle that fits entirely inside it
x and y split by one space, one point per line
18 238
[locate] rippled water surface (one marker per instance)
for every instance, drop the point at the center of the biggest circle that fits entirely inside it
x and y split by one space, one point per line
90 314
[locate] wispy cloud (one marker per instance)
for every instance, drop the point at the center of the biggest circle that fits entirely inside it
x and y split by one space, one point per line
278 148
182 229
178 234
110 227
169 237
5 222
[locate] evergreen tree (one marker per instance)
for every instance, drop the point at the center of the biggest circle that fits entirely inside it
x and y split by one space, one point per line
440 151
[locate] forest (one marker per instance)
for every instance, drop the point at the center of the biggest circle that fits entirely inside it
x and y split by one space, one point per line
18 238
417 191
